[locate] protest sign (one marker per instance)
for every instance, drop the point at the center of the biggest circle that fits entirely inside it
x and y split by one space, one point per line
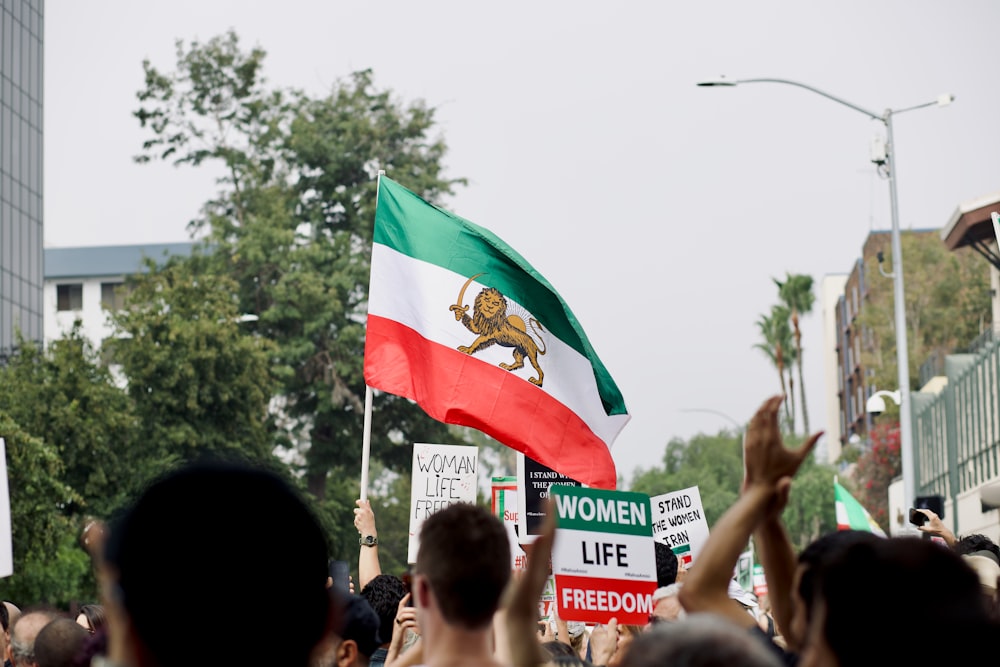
603 559
442 475
679 522
533 482
504 504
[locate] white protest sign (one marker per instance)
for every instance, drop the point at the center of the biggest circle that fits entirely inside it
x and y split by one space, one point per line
442 475
679 522
6 554
603 559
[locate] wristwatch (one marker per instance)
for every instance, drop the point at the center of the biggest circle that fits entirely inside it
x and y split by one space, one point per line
368 540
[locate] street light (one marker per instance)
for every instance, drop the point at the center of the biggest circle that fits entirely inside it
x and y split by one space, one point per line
902 352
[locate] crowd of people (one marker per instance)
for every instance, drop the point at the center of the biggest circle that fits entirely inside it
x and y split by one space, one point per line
221 564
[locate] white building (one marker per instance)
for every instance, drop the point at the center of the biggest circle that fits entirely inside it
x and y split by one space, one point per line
831 289
83 284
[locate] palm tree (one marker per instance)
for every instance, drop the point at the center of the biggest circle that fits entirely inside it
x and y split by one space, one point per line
777 345
797 295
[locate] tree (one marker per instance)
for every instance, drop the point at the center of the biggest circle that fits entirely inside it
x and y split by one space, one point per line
48 567
199 381
292 226
875 470
67 398
796 293
777 346
948 305
715 465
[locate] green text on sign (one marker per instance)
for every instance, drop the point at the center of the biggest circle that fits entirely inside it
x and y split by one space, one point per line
599 510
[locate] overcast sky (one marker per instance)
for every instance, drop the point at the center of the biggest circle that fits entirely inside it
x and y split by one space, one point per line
659 210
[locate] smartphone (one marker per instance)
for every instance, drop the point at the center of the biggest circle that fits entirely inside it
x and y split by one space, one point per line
340 572
917 518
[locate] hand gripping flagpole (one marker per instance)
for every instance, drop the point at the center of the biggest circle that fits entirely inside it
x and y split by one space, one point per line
366 437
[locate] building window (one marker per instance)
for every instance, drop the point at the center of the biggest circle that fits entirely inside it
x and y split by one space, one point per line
113 296
69 296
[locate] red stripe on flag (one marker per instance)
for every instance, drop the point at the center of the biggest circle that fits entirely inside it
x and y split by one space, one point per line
455 388
594 600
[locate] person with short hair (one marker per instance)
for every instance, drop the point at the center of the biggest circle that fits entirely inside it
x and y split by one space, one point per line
59 642
23 633
462 570
383 593
698 640
356 638
201 546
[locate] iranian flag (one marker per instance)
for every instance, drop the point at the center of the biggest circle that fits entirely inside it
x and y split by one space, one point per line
463 325
851 515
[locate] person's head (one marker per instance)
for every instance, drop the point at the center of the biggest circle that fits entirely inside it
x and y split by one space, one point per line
699 640
204 544
667 606
463 563
810 559
666 565
91 617
626 635
23 632
383 593
903 586
356 637
976 543
59 642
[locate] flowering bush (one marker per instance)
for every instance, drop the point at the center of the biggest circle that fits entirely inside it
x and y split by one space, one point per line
875 470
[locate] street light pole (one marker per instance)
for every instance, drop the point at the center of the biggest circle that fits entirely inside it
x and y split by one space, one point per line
899 305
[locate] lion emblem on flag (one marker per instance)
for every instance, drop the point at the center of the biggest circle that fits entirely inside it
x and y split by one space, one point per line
493 326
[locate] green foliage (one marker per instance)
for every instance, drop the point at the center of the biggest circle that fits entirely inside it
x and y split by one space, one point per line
797 295
65 397
45 568
200 382
777 345
947 306
292 228
715 465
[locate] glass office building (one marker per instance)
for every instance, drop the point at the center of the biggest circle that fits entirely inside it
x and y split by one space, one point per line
21 254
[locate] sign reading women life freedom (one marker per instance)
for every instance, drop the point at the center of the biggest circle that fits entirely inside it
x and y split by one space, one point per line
442 475
603 558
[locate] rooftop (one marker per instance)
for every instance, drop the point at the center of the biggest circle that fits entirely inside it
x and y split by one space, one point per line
106 261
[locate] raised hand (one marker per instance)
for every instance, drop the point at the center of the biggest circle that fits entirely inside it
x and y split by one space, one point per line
765 457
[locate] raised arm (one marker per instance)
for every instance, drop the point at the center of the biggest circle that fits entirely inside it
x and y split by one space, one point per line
766 460
368 564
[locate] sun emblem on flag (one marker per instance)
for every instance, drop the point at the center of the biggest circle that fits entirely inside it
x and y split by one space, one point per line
493 326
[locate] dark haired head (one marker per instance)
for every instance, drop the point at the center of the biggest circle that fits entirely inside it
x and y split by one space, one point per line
821 550
977 542
898 585
666 565
209 541
383 593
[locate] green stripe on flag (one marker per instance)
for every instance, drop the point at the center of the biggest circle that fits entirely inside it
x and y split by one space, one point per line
453 243
851 514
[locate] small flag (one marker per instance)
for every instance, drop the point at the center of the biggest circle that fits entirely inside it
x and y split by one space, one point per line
851 515
683 553
464 326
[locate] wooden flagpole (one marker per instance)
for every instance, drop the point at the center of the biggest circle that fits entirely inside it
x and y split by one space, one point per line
366 437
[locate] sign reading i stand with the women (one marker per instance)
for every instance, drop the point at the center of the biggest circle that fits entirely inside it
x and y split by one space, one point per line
603 559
